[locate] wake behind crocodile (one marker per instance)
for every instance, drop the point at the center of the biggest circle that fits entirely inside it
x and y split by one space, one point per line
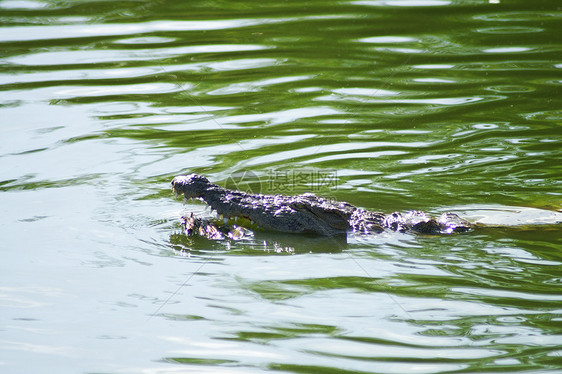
495 215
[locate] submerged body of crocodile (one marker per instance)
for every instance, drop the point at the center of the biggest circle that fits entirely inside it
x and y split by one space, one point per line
305 213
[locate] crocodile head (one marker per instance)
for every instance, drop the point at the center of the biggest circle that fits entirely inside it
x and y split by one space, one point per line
191 186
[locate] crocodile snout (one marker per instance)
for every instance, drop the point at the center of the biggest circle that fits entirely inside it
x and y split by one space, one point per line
191 186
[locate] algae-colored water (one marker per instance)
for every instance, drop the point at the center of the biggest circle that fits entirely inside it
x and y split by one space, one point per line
390 105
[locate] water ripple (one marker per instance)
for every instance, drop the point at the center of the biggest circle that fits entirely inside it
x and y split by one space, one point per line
82 57
31 33
433 105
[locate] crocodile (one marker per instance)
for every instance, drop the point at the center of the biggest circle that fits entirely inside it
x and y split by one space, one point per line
306 214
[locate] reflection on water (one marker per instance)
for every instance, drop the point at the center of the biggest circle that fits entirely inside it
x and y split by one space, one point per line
431 105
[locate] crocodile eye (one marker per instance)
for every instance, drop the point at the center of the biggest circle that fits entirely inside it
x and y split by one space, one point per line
297 205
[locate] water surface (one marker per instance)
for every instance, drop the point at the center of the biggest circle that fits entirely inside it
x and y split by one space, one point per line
389 105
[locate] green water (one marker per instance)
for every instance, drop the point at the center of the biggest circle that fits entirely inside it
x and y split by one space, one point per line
390 105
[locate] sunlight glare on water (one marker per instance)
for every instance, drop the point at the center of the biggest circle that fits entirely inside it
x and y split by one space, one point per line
388 105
